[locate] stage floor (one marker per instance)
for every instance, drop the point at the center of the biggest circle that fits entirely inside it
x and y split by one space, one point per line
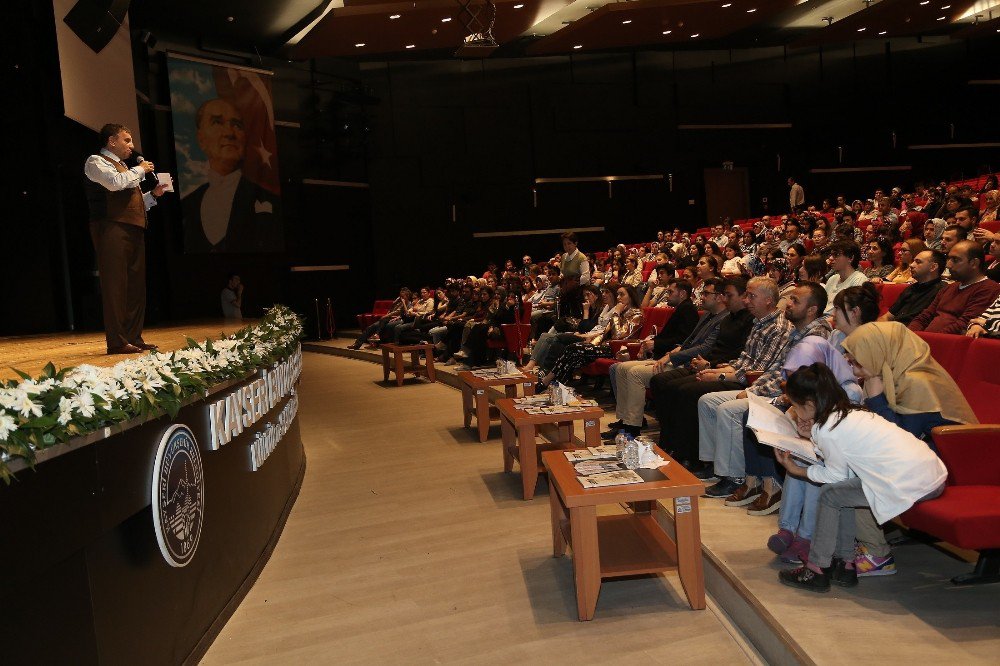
30 353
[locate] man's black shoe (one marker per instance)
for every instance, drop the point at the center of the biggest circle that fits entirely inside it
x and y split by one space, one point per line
355 346
806 579
612 430
725 487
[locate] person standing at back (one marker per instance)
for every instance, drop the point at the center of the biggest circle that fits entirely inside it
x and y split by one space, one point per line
796 196
574 262
118 230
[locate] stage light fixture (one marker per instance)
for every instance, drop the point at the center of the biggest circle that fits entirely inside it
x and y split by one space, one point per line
393 17
667 32
578 46
445 20
751 11
359 45
626 21
695 35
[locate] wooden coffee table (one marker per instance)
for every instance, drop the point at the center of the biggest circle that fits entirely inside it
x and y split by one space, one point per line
399 366
626 545
476 397
519 430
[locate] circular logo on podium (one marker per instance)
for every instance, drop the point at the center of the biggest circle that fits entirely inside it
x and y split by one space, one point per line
178 495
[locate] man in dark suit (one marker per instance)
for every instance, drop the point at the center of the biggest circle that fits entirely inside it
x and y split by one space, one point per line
229 213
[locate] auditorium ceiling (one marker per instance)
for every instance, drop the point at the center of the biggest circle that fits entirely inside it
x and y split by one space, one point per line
380 29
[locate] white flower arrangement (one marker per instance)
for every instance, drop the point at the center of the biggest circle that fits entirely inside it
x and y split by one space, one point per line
36 413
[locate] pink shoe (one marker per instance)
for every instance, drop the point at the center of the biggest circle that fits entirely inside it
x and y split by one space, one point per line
798 552
779 543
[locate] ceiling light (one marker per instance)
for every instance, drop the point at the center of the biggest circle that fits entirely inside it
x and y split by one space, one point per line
518 6
578 46
925 2
359 45
941 18
626 21
411 46
882 33
445 20
695 35
667 32
946 7
751 11
862 29
394 16
728 4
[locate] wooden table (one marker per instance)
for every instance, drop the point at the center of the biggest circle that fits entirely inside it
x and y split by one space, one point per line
476 397
519 429
630 544
398 364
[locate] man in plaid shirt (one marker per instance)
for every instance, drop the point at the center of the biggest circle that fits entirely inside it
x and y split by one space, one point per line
722 416
677 398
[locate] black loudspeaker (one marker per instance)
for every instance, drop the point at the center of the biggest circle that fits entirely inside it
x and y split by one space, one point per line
96 21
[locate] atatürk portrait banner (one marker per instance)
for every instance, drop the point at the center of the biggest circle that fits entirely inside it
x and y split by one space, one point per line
227 157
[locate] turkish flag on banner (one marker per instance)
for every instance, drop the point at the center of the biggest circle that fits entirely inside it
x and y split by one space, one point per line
250 92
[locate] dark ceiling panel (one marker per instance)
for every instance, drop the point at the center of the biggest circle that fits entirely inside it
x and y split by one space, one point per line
890 18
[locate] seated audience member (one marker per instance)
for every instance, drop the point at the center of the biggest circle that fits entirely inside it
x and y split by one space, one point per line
907 251
629 380
633 274
880 257
844 259
868 462
733 265
625 324
543 311
415 314
933 230
597 309
784 275
460 328
820 239
813 269
925 269
757 262
458 299
989 211
722 415
791 237
502 310
395 314
795 255
853 307
679 325
988 325
993 268
573 263
906 386
967 217
707 267
957 304
677 397
656 294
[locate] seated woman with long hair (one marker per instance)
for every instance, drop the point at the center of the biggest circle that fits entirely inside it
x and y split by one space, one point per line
597 310
909 248
903 384
708 266
880 256
625 324
869 463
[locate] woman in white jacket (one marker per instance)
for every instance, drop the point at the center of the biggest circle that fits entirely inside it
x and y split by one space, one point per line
869 462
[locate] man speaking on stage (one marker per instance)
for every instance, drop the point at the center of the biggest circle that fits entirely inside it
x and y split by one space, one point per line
118 227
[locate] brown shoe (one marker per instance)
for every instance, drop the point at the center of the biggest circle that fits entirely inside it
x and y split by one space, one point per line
144 345
744 495
124 349
765 505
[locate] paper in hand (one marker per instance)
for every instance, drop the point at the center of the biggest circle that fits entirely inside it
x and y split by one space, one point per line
166 181
775 429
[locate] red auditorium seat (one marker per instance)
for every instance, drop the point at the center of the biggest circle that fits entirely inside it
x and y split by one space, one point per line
992 225
379 310
890 292
515 336
968 513
948 349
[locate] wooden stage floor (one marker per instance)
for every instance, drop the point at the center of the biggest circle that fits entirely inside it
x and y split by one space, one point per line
30 353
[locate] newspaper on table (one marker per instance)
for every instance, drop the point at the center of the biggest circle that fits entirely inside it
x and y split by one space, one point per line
590 453
775 429
607 479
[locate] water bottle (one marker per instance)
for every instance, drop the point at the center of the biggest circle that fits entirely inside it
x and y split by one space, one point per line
620 446
631 453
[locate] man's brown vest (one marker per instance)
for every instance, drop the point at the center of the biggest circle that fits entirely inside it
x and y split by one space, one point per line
125 206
